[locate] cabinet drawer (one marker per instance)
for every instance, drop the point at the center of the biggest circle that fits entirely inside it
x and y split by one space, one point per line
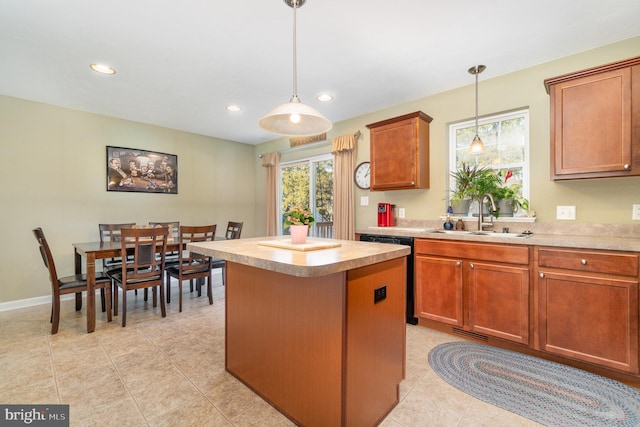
512 254
591 261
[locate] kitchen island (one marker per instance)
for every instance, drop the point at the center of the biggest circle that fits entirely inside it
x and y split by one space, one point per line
319 332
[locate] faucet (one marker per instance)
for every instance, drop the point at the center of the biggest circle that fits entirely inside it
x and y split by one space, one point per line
481 223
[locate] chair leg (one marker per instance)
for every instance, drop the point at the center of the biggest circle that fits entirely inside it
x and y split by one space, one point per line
55 314
163 308
154 296
168 280
124 306
179 295
146 294
78 301
104 307
209 288
115 299
107 292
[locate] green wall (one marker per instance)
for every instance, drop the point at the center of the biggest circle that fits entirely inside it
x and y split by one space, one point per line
597 200
53 176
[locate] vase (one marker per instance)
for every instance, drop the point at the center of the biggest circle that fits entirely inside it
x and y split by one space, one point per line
505 207
462 207
299 233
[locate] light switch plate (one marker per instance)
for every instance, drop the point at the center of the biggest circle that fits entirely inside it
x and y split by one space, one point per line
401 213
636 212
364 201
566 212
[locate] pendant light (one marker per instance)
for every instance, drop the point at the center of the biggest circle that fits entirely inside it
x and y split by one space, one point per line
295 118
477 147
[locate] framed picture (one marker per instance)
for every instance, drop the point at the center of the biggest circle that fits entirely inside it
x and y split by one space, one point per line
133 170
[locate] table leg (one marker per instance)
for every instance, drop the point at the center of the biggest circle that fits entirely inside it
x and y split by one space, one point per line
78 266
91 292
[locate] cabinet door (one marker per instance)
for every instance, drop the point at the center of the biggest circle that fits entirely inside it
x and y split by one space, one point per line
593 319
591 126
439 289
499 301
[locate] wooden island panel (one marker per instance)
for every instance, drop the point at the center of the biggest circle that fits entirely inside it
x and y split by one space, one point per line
318 348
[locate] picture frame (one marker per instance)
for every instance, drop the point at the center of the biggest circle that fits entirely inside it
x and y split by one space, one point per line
142 171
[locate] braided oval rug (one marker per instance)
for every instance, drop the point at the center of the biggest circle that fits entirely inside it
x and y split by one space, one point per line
546 392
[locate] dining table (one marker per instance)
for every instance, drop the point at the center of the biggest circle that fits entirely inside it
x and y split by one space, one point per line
93 251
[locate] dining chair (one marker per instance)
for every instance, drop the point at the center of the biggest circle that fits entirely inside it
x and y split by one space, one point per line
145 269
192 266
174 234
75 284
111 233
234 230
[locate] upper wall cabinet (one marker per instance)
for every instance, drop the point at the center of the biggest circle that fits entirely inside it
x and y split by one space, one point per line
400 152
595 122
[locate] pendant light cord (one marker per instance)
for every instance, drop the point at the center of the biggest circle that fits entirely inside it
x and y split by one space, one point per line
477 101
295 59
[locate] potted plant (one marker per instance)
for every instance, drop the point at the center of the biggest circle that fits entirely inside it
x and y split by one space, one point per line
461 197
509 197
298 219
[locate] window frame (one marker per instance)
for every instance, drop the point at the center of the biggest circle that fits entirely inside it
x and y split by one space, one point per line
305 160
484 120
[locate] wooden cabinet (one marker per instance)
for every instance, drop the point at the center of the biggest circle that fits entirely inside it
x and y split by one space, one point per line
588 306
477 287
399 149
595 122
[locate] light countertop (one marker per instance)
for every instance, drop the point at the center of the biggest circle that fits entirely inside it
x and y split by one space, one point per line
302 263
578 241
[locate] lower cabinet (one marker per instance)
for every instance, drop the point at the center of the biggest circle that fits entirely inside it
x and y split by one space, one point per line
478 287
588 306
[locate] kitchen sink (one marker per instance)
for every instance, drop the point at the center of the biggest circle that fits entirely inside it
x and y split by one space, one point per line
501 235
451 232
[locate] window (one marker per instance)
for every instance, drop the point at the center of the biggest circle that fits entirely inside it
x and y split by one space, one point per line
309 183
506 146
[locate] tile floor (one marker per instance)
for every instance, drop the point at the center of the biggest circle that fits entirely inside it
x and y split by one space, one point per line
170 372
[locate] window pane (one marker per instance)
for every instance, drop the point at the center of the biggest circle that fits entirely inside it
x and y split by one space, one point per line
295 186
505 138
324 191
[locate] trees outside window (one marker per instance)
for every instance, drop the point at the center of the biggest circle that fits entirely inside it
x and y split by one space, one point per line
307 183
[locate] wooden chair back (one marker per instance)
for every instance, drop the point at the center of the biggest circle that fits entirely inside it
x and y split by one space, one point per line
234 230
47 257
191 262
112 233
144 268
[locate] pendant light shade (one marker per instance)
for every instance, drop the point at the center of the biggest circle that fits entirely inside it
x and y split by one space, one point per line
477 147
295 118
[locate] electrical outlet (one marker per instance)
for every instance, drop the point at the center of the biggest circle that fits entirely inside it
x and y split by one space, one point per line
566 212
379 294
635 212
364 201
401 213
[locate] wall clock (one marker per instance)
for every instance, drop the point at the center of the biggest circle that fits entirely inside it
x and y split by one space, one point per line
362 175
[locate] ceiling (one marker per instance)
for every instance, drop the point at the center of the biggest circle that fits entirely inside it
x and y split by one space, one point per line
180 63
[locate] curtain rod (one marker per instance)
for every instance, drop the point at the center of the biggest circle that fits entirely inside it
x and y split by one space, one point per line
315 144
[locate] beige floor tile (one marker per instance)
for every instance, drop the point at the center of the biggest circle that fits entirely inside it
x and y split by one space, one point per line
198 412
170 371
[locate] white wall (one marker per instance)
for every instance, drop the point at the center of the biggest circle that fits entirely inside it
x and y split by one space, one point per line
53 176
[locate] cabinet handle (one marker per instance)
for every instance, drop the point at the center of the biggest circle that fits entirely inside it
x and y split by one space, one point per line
458 263
627 166
471 265
583 262
542 275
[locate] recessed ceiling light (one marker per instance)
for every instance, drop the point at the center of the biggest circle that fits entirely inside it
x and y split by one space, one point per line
325 97
103 69
233 108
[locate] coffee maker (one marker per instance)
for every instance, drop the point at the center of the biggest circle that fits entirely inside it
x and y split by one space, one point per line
386 215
